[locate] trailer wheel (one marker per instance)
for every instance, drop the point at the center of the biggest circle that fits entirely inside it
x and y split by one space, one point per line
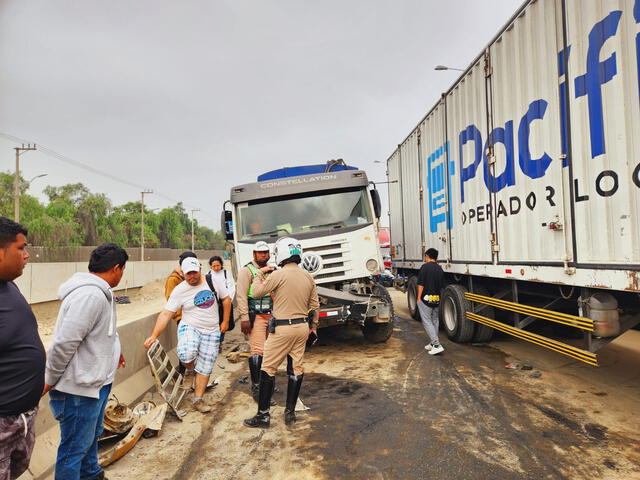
380 332
412 298
453 313
483 333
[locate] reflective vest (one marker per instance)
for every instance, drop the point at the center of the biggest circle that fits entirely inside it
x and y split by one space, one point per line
261 306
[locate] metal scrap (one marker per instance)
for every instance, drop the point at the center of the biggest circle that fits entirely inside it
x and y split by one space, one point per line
151 420
168 379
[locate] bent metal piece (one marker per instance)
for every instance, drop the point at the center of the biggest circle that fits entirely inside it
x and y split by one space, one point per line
168 379
151 420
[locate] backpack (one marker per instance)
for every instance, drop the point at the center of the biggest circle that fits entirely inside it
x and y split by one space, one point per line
232 322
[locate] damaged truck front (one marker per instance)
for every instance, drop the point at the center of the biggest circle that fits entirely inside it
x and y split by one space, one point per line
333 210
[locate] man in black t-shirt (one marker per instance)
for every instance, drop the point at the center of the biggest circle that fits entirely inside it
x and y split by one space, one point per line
22 357
429 286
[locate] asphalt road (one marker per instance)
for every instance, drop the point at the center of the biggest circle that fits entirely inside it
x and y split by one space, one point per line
391 411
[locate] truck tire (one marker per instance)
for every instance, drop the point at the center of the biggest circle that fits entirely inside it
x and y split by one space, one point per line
483 333
453 313
412 298
380 332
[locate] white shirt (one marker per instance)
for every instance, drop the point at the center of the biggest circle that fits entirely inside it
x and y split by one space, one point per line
199 306
228 282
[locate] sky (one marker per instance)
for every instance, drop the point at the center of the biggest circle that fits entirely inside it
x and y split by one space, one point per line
193 97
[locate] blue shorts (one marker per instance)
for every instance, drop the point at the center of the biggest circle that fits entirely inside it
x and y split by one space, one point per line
196 345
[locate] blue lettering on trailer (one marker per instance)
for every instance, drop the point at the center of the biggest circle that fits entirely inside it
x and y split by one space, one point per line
532 168
436 179
598 73
508 177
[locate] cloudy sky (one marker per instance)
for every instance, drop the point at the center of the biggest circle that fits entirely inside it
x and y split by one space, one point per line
192 97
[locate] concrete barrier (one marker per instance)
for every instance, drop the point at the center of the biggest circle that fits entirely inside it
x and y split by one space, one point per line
40 281
130 384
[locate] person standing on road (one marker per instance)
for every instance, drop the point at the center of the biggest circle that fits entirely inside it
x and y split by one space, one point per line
429 286
82 361
217 271
174 279
254 313
200 328
295 299
22 357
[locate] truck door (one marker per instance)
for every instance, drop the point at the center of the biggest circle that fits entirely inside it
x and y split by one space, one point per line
522 156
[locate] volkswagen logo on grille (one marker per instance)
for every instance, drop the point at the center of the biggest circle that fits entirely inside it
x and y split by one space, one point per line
311 262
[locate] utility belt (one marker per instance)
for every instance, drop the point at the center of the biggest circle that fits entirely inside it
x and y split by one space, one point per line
273 322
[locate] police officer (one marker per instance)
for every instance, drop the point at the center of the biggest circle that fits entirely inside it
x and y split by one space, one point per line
254 313
294 297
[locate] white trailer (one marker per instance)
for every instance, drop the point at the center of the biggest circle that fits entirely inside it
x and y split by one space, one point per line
525 175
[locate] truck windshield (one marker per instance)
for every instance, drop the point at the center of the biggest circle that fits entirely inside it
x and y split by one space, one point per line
313 211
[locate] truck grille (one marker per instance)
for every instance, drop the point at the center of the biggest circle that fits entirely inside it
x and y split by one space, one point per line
334 264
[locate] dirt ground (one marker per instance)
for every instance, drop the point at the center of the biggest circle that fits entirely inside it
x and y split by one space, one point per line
390 411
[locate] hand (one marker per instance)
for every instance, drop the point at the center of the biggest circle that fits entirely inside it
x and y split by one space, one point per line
149 341
224 326
314 333
267 269
245 327
46 389
122 363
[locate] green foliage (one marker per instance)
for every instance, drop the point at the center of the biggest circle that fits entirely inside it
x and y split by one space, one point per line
74 216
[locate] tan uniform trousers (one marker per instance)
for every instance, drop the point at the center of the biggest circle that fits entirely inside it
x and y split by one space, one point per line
288 340
259 334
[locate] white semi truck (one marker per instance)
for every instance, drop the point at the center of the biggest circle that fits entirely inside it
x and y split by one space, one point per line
525 175
333 210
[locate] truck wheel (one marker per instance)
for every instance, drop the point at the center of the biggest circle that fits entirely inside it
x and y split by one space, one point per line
483 333
380 332
453 313
412 298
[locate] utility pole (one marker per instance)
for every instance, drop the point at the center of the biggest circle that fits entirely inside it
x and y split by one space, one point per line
142 194
192 234
16 180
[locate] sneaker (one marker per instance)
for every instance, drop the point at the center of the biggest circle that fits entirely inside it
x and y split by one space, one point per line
436 349
202 407
187 380
428 347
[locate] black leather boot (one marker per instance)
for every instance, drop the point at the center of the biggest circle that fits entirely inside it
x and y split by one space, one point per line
293 390
262 418
255 364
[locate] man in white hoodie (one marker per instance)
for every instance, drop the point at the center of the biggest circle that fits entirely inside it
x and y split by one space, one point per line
82 361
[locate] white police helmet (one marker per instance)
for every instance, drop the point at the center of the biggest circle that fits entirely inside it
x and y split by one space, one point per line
285 248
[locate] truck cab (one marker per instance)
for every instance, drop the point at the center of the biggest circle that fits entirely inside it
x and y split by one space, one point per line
333 210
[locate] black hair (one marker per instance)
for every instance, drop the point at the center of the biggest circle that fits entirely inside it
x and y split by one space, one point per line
107 256
291 259
216 258
9 231
432 253
187 254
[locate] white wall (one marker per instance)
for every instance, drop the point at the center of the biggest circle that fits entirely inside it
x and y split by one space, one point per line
40 281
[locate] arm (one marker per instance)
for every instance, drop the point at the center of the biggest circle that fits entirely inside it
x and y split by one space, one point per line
161 323
314 304
76 322
263 285
420 290
226 311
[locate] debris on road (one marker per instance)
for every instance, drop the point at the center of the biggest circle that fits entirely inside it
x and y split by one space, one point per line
118 417
526 367
151 420
244 380
512 366
168 379
300 407
536 375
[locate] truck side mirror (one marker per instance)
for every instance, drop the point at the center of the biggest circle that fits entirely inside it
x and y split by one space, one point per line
377 206
227 224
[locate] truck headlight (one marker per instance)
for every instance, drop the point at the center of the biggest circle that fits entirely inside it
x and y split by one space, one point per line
372 265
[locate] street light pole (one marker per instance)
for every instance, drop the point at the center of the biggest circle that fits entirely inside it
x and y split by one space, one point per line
192 234
444 67
16 180
142 194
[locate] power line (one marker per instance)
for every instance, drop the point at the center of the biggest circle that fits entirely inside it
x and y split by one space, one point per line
76 163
